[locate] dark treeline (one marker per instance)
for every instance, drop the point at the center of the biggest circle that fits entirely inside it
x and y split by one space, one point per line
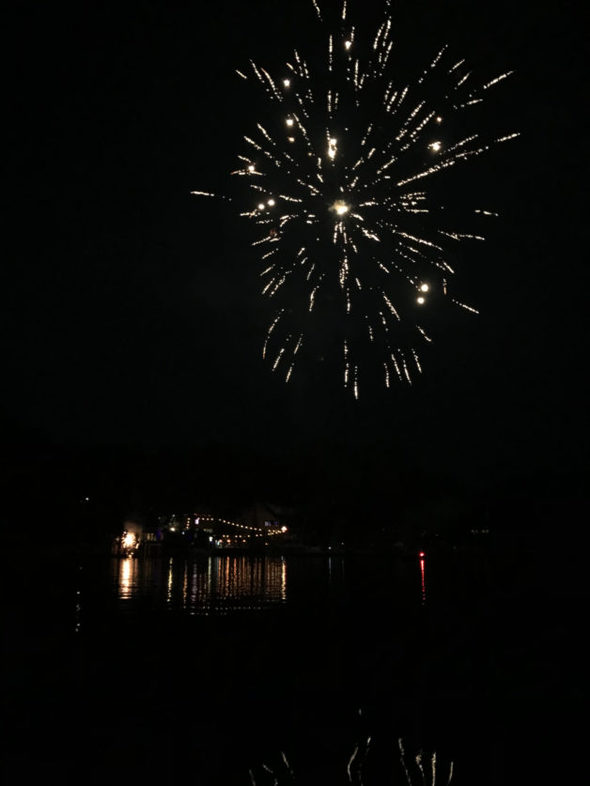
330 490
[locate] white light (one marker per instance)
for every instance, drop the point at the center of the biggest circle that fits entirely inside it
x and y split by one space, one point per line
340 207
439 119
286 82
347 44
251 168
291 139
424 287
420 300
290 121
128 540
283 529
261 206
271 202
435 146
332 147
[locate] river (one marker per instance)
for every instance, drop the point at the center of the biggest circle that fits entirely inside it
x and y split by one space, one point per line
195 671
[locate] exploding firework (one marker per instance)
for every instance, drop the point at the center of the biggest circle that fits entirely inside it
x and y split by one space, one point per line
355 242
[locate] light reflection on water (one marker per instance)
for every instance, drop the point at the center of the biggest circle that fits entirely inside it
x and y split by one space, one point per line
127 578
216 585
422 579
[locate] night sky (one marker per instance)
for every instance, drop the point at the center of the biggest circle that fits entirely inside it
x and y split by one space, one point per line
131 310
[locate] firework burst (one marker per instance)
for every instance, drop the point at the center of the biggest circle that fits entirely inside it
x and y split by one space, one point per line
354 242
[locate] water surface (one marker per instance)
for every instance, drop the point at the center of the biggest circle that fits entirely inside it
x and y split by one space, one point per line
182 670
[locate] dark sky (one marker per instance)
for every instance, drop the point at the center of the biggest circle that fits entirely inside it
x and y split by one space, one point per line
131 310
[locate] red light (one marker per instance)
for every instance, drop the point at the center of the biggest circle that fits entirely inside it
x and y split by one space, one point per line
421 554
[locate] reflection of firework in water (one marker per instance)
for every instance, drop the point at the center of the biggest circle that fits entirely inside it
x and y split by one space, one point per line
420 768
354 245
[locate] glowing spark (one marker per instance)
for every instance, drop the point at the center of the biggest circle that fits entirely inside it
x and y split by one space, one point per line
391 307
416 360
436 147
129 540
496 80
466 307
423 334
340 207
